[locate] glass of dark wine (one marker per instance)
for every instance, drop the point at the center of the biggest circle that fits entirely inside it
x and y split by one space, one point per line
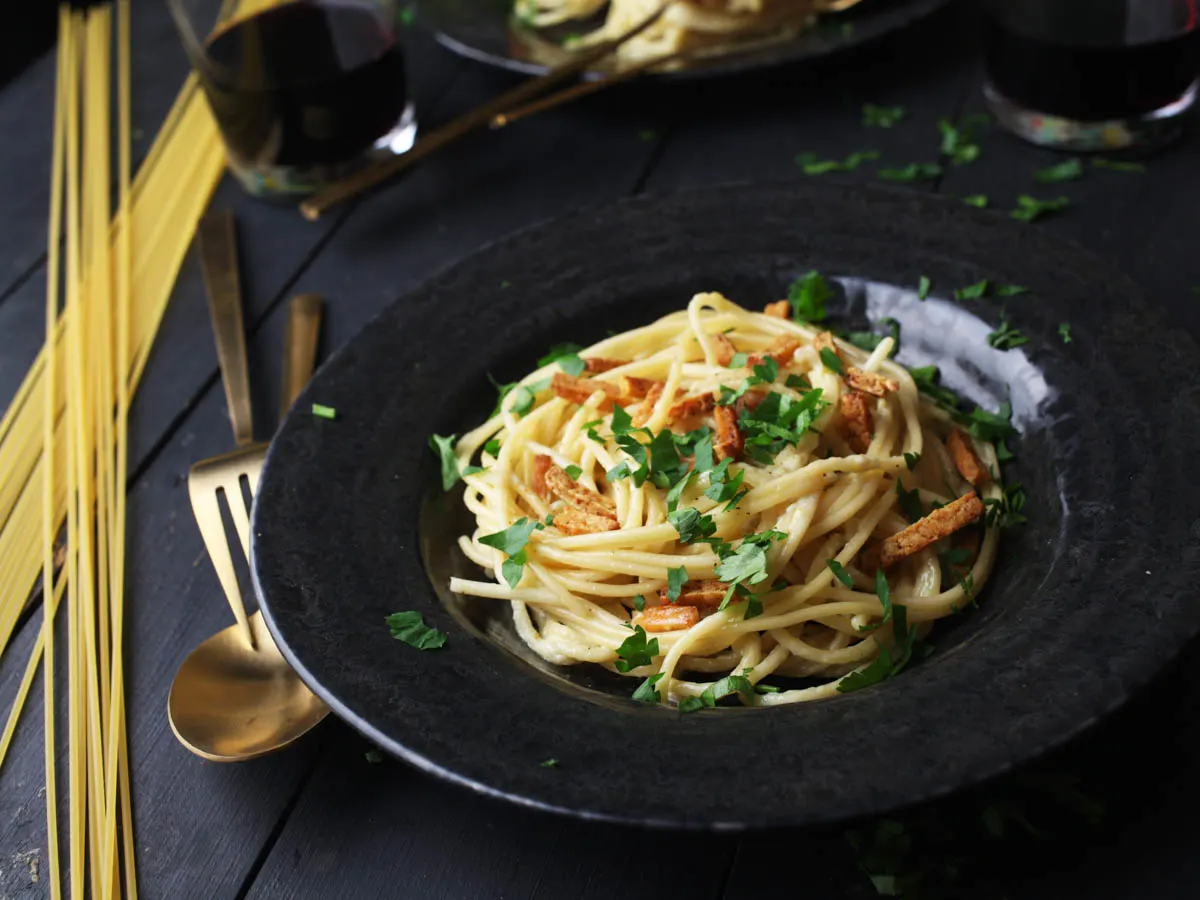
304 92
1092 75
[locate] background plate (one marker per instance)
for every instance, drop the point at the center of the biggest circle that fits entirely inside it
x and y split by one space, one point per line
479 30
1088 600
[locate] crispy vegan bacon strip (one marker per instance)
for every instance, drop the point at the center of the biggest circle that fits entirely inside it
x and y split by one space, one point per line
824 341
636 387
780 309
870 382
692 406
597 364
541 465
708 592
579 496
725 349
645 409
965 460
578 390
940 523
856 420
782 351
574 521
728 442
671 617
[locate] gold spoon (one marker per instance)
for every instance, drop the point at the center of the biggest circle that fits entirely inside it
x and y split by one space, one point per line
235 699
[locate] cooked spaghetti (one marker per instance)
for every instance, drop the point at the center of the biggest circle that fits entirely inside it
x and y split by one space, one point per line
684 26
727 493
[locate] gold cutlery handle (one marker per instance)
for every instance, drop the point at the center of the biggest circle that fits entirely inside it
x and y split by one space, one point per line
217 242
299 347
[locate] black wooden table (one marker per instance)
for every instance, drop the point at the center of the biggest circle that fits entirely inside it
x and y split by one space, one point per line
1111 816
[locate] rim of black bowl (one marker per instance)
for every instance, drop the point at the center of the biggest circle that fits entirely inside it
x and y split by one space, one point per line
1010 696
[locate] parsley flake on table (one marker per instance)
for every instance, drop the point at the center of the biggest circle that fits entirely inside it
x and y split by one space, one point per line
410 628
568 358
869 340
881 116
1064 332
1030 209
1068 170
1011 290
972 291
323 412
511 541
550 763
1118 165
636 651
374 757
979 201
1005 337
923 286
912 172
444 448
646 692
807 295
958 140
810 165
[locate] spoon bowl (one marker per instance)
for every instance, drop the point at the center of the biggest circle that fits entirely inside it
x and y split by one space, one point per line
232 702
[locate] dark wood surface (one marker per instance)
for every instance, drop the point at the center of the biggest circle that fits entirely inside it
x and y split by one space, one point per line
320 819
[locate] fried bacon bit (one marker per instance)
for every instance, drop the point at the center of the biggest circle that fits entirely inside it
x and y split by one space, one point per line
636 387
708 592
728 443
870 382
692 406
749 400
578 390
824 341
868 556
781 351
965 460
645 409
580 496
671 617
574 521
597 364
780 309
725 349
856 419
541 465
939 524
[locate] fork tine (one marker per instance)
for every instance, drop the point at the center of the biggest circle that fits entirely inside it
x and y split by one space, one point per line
237 508
207 510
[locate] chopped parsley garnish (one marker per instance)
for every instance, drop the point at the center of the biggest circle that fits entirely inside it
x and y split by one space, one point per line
990 427
1117 165
573 472
807 295
724 488
1011 290
926 378
639 602
1068 170
923 286
911 460
1005 337
810 165
636 651
1005 511
957 140
798 382
407 15
972 291
1064 332
881 116
511 541
869 340
832 361
492 447
444 448
690 704
522 400
550 763
886 665
778 421
410 628
323 412
840 573
979 201
909 502
884 593
912 172
676 579
568 358
691 525
646 692
730 684
1031 208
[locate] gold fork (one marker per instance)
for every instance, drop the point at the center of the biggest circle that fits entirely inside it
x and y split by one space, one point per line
225 474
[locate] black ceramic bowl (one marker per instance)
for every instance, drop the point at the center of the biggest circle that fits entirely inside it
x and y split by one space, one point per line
483 30
1088 599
